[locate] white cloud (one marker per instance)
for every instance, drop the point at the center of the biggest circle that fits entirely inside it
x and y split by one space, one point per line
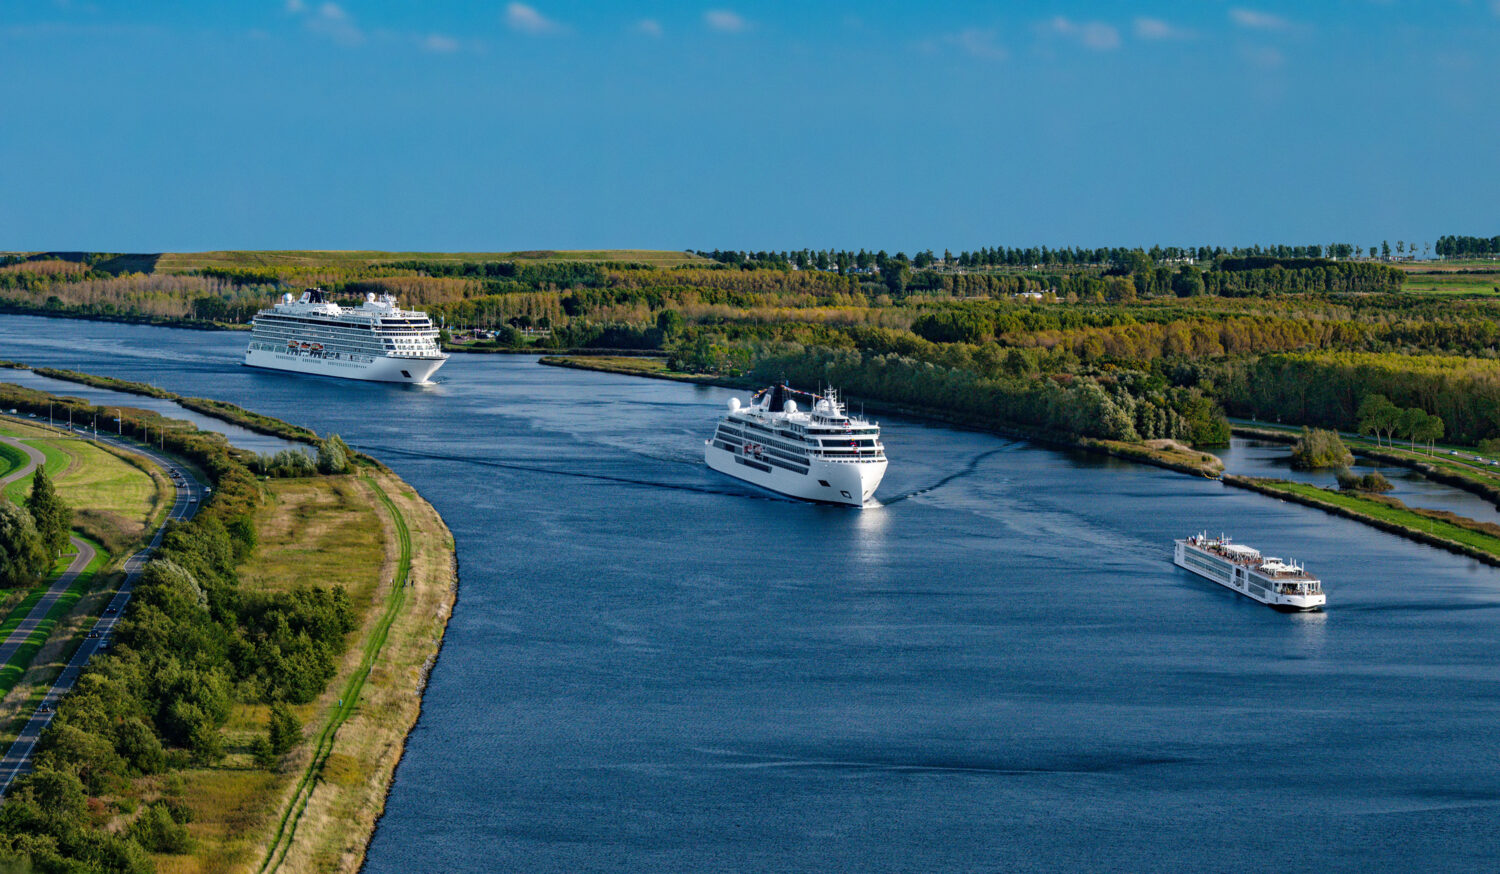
527 20
979 43
439 44
332 21
296 7
974 41
648 27
1252 19
1093 34
1264 57
725 21
1156 29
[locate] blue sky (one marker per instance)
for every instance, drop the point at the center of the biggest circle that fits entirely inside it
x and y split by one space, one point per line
175 126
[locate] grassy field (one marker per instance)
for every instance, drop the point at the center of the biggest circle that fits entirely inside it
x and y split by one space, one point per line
116 497
317 810
178 262
1452 278
317 531
1453 284
11 458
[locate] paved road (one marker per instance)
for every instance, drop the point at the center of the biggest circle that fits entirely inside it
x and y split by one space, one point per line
39 612
189 493
85 554
34 457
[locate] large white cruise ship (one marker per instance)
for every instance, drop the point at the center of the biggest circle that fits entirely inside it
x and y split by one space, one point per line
376 340
818 455
1284 585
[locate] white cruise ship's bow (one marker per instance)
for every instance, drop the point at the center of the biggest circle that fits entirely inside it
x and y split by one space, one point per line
818 455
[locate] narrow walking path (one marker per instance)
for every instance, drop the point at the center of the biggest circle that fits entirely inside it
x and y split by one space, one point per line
17 760
34 456
39 612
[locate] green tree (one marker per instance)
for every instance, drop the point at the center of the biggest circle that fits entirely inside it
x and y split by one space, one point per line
1188 282
896 275
1412 422
157 832
333 455
52 517
670 323
282 730
23 558
1317 448
1377 415
88 756
1431 431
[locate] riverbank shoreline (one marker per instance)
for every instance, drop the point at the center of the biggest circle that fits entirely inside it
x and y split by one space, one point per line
11 308
329 814
1429 469
319 807
1167 455
1362 509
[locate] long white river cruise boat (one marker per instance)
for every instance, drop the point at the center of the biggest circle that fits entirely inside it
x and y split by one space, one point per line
376 340
1284 585
818 455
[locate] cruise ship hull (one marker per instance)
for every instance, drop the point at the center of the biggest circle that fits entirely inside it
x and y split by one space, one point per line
381 369
833 482
1239 579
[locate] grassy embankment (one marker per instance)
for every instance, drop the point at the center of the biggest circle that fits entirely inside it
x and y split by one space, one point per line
316 811
1160 453
118 500
1448 531
221 410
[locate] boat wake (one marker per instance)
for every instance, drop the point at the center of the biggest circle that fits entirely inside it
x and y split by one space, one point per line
511 465
967 470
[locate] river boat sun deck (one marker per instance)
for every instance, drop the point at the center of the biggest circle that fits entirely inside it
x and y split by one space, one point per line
822 454
1284 585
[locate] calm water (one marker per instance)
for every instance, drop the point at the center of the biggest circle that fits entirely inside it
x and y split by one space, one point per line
651 668
1264 458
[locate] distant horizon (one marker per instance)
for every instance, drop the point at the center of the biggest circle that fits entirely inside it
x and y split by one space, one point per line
331 125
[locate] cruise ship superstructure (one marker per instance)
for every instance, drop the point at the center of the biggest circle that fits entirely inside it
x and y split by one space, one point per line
376 340
818 455
1284 585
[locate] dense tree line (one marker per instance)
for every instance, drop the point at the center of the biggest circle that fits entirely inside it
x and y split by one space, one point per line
1328 388
1026 257
1450 246
1121 405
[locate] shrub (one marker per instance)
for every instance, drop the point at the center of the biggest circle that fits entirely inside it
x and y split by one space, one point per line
1317 448
158 832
